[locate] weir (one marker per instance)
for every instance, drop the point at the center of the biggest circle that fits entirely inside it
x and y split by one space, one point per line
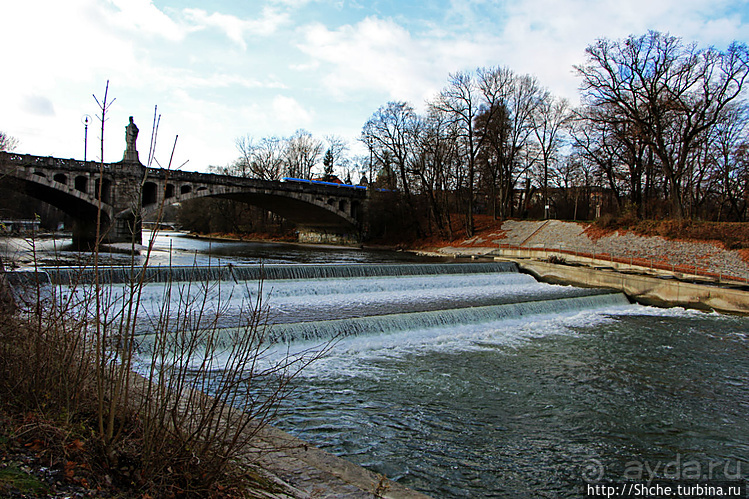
330 330
70 275
322 302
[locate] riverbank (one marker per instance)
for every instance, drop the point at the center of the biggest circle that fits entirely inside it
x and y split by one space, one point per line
44 458
652 270
266 238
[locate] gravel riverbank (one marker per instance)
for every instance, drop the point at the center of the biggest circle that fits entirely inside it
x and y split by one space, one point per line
577 237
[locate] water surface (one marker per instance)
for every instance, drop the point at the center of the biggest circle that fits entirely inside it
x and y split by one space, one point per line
492 384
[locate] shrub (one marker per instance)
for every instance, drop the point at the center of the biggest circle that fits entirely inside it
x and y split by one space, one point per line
167 412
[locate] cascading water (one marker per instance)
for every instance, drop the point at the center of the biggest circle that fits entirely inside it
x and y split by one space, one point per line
336 301
332 329
230 272
473 380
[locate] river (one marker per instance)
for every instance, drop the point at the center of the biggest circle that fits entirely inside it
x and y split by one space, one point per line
472 380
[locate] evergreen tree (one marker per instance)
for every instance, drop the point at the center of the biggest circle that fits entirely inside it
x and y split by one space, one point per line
327 162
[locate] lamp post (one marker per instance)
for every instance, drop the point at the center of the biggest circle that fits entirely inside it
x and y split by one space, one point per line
85 120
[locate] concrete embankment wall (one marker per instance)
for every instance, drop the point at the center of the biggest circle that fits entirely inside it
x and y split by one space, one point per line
649 269
643 289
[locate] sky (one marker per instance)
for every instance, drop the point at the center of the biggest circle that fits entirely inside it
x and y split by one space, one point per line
221 69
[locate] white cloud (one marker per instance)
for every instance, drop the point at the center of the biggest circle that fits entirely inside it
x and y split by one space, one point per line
234 27
549 45
195 62
544 38
290 112
294 4
145 17
38 105
374 54
309 66
65 43
184 79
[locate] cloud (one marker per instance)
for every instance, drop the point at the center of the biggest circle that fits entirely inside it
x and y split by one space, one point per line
172 78
374 54
236 28
380 55
294 4
38 105
409 59
290 112
69 38
144 16
327 74
549 45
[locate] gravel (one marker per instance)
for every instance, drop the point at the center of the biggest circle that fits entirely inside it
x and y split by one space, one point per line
571 236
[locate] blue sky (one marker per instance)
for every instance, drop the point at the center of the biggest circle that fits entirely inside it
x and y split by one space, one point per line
221 69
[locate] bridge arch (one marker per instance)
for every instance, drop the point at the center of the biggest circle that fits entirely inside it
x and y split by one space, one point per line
303 210
79 205
150 194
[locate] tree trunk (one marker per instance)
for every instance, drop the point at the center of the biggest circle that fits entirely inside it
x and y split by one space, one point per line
7 302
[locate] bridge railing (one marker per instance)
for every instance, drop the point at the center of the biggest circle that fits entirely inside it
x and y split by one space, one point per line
47 162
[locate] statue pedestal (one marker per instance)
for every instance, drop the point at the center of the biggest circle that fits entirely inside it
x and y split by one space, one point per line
130 157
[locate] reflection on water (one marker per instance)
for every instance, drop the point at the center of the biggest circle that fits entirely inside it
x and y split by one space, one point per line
178 249
186 250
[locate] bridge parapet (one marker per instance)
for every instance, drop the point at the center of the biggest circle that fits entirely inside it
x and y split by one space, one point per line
48 162
220 179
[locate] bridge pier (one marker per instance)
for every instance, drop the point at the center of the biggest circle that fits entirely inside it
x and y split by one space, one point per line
84 233
122 230
126 230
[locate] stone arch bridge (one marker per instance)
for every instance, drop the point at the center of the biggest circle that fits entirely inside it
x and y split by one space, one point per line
129 191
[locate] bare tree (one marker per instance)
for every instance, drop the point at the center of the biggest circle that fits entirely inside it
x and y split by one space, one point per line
550 116
301 154
462 101
392 131
7 143
730 147
435 159
605 143
507 127
263 160
337 146
671 94
242 167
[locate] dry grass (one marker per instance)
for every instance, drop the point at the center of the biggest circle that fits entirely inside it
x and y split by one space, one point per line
73 401
485 228
730 235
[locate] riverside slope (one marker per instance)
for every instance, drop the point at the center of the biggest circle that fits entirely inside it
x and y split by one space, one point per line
649 269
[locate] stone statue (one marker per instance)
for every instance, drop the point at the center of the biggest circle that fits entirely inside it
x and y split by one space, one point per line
131 135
